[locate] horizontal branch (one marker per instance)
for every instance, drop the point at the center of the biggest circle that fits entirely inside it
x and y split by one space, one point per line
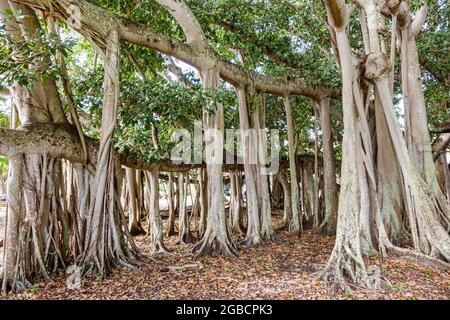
63 142
96 22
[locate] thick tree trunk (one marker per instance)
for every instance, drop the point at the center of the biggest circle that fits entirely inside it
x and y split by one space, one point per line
108 242
202 182
184 232
424 200
308 193
235 203
36 237
134 223
155 225
259 123
36 234
170 200
348 252
249 143
296 222
287 212
328 225
389 181
217 236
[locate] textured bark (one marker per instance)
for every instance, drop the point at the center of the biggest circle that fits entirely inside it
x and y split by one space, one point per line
296 222
216 239
328 225
347 256
134 214
287 212
108 242
259 123
36 235
171 199
155 227
184 232
249 143
235 203
389 181
424 201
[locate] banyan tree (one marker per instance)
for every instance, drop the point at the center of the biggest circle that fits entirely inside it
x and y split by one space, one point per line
115 103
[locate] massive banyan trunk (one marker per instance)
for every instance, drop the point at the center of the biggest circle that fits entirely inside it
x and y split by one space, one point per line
389 181
249 143
36 236
357 181
108 241
328 225
423 203
217 235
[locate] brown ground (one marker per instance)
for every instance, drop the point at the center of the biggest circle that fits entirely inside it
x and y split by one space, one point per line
279 270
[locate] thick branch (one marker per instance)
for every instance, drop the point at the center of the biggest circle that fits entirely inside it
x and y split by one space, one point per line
63 142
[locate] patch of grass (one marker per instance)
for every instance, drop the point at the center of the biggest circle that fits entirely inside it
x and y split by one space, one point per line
372 256
399 286
34 289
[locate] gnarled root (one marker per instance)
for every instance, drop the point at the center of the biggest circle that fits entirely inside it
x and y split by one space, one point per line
211 244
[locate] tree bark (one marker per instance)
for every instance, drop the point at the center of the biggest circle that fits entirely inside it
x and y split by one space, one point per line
108 242
249 143
155 227
134 223
296 222
216 239
328 225
184 232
